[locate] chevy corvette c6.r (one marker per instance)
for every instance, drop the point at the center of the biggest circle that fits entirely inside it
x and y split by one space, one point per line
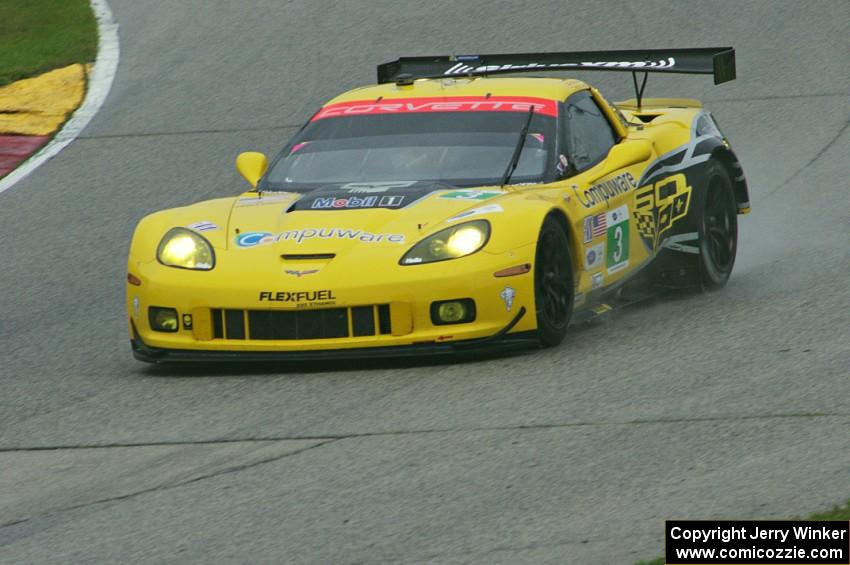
445 209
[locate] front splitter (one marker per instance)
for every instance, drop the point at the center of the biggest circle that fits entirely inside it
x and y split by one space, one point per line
499 342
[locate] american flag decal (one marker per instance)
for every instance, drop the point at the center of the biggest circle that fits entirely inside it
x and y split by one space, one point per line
595 226
599 225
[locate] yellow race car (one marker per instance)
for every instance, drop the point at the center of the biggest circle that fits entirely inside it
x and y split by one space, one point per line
446 209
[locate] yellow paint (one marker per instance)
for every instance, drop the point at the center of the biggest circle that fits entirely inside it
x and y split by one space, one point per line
202 328
602 308
631 103
252 165
260 250
40 105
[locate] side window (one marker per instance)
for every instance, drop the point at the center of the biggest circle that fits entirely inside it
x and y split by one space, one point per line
588 135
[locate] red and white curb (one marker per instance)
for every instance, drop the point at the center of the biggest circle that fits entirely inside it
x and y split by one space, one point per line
100 81
17 148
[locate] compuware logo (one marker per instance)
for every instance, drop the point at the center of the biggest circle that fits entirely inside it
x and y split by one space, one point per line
253 239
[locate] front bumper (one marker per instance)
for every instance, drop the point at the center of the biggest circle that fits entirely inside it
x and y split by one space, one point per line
497 343
400 299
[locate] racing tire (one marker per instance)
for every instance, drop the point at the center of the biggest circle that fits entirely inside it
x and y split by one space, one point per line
718 229
553 283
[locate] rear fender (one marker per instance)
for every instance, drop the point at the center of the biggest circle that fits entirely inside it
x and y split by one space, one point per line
676 250
727 157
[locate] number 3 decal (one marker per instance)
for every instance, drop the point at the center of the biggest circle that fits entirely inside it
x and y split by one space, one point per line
617 247
618 237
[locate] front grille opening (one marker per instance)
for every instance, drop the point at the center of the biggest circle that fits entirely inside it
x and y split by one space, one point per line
384 319
298 324
363 320
284 325
234 324
218 326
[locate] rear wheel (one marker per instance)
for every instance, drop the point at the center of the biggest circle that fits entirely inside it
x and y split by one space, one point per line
718 230
553 283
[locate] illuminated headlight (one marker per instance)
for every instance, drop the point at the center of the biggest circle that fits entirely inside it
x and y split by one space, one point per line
185 249
450 243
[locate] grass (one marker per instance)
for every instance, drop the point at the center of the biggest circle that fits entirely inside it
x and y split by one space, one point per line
39 35
659 561
838 513
841 513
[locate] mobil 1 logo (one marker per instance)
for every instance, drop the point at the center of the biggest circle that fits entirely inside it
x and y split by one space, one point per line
617 234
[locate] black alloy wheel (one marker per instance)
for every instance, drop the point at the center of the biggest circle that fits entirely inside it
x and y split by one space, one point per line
718 230
553 283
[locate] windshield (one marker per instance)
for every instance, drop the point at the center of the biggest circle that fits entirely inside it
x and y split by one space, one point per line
468 148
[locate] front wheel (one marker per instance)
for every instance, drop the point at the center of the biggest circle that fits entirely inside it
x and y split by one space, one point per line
718 230
553 283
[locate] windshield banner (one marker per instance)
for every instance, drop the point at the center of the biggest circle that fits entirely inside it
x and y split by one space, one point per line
442 104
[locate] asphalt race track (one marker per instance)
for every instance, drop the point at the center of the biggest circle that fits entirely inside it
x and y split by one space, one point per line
728 405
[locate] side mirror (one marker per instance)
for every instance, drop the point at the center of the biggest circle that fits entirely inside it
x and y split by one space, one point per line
252 166
628 153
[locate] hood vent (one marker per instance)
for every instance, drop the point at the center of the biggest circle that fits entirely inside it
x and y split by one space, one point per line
306 256
646 118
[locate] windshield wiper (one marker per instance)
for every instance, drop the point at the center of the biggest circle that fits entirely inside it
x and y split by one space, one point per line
518 149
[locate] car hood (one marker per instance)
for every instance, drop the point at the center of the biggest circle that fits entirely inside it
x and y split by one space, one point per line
341 219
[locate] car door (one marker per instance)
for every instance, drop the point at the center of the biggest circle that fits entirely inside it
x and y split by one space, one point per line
604 189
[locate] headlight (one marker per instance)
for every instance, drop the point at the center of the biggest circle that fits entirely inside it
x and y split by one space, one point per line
185 249
450 243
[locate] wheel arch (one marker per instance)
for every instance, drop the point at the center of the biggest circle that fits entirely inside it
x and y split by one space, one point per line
727 158
553 320
561 218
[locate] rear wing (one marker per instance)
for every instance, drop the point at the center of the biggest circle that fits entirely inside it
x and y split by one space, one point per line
716 61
